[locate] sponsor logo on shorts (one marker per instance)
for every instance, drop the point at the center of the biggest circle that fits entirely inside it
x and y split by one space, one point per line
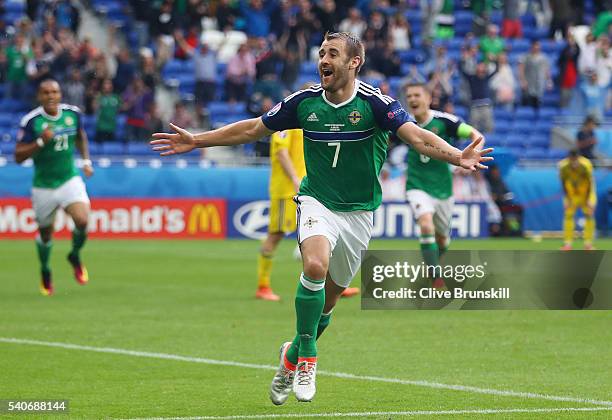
310 222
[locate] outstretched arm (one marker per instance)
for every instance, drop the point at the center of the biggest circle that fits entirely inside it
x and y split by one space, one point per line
429 144
83 146
182 141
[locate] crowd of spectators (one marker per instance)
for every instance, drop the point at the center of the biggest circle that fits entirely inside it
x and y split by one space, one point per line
278 39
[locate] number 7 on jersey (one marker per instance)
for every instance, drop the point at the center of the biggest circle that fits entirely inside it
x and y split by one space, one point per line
335 144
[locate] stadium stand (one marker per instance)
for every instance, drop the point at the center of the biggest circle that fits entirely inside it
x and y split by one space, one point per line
524 129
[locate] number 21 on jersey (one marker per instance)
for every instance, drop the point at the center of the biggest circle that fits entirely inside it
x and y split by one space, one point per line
61 142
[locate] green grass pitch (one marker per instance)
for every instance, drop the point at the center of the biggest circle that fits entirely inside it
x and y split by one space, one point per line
195 299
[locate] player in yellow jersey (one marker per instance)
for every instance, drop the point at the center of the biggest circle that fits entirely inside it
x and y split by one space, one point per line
576 174
287 170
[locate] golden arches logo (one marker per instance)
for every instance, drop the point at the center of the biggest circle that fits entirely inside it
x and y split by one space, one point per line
204 218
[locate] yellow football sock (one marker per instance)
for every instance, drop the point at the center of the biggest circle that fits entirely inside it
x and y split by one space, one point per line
568 226
264 268
589 230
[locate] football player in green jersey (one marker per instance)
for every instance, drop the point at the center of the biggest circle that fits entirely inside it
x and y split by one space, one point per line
429 182
346 124
49 134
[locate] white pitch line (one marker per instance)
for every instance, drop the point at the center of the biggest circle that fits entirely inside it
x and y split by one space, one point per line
385 413
426 384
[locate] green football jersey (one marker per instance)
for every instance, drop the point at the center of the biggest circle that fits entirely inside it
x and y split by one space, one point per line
431 175
54 163
345 145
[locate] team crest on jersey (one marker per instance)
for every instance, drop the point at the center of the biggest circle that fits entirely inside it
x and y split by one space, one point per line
354 117
434 130
69 120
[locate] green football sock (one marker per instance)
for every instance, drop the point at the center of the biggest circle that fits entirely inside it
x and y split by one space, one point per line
429 250
323 323
292 352
444 248
309 302
44 251
79 236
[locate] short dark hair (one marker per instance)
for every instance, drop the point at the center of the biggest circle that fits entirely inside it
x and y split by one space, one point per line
354 46
47 80
416 84
573 153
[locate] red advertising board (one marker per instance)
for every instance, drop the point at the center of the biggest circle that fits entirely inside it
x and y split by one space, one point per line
126 218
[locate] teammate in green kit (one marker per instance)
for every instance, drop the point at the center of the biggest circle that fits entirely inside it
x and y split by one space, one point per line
49 135
429 182
346 124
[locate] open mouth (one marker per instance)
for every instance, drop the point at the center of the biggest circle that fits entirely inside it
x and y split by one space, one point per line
326 72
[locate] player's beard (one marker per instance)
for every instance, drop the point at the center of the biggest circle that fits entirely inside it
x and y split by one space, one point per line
339 79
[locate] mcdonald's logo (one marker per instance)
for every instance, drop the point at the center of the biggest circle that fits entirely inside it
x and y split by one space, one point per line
205 218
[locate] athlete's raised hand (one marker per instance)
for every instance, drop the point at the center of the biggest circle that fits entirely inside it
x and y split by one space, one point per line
167 144
472 157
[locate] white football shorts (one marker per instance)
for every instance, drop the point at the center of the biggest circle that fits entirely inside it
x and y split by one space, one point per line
46 201
422 203
348 234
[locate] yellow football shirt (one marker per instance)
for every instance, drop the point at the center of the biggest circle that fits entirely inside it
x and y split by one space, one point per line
577 181
292 140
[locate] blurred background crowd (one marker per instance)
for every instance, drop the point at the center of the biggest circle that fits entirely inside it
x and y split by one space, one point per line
511 68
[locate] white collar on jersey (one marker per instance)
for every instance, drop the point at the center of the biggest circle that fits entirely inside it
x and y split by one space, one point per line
345 102
430 117
51 117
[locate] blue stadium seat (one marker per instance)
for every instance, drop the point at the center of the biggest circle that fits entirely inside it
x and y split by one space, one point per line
455 44
502 126
521 127
500 114
528 20
556 154
548 113
95 148
519 45
535 33
516 140
462 112
412 56
550 46
495 140
461 29
413 15
538 140
525 113
496 17
463 16
6 121
172 69
113 149
7 147
551 99
14 7
544 125
309 68
139 149
516 151
536 153
395 83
